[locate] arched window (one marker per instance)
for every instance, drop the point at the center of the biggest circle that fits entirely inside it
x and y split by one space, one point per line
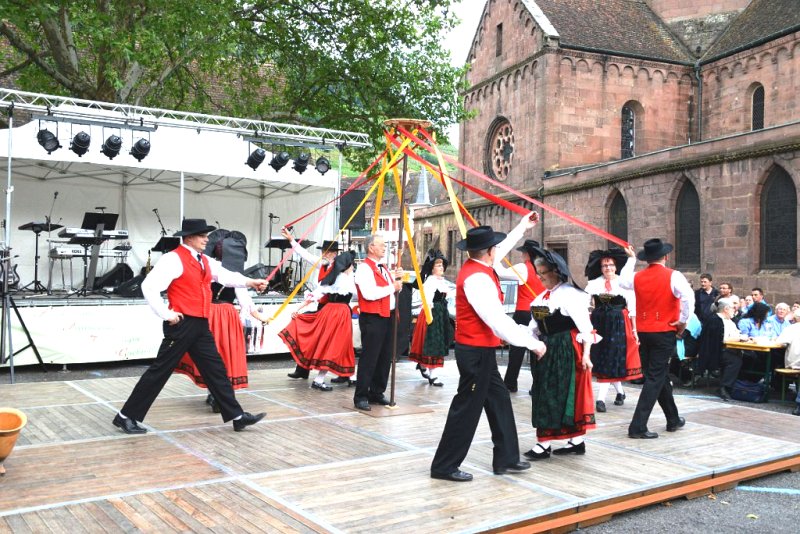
618 218
687 223
758 108
628 131
779 221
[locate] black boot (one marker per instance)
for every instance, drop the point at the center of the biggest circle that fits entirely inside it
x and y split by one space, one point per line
299 372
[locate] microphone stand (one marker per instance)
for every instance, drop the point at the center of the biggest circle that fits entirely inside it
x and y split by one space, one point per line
269 238
163 231
49 216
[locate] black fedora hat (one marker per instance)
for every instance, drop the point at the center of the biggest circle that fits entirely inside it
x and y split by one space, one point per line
532 247
194 227
654 249
329 246
593 266
480 238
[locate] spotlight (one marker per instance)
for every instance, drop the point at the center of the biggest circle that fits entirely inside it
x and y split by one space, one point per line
48 140
80 143
323 165
140 149
279 160
301 162
256 158
112 146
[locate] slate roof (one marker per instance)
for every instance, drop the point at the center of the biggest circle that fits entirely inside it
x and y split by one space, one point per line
761 19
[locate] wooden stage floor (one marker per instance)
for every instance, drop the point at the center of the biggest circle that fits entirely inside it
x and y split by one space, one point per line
316 465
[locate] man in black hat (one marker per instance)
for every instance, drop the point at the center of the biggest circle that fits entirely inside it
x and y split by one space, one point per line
186 274
481 325
323 265
664 301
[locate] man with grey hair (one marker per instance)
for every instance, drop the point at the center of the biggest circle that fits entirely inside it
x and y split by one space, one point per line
780 320
718 329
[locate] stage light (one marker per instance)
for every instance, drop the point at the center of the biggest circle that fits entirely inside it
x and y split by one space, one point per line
80 143
112 146
256 158
48 140
140 149
322 165
301 162
279 160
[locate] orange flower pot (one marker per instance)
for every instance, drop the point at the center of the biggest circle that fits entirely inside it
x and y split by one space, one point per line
11 422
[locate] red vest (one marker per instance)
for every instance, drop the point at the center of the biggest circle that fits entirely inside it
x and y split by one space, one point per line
526 293
470 329
190 293
656 306
380 306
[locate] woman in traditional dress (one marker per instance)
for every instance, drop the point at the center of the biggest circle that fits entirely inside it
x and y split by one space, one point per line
431 342
323 340
616 357
563 404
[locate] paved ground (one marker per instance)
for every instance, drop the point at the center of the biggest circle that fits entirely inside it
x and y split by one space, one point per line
766 505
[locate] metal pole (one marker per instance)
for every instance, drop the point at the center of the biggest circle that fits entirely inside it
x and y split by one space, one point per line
5 323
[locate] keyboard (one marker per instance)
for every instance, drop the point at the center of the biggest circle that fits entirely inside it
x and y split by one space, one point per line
69 251
83 233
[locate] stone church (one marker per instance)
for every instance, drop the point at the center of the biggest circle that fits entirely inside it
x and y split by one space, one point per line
677 119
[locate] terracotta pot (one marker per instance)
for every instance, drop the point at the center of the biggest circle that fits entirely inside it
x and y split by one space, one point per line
11 422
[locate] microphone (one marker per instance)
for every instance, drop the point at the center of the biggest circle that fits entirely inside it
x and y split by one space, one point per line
55 195
155 210
218 224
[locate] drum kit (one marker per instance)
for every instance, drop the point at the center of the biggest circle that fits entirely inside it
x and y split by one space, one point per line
293 271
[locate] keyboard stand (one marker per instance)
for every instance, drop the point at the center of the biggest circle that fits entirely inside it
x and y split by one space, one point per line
90 270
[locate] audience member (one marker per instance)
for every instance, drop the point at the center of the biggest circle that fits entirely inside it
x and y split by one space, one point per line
704 298
780 320
713 355
725 290
758 296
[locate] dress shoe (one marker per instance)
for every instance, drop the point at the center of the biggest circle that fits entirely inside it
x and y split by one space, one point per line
514 468
339 380
322 386
383 401
214 405
643 435
512 388
362 405
600 406
796 410
246 420
351 383
455 476
129 426
534 455
571 448
723 394
620 400
672 427
295 374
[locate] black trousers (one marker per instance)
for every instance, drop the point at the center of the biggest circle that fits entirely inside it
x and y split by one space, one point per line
655 351
516 355
731 363
191 334
480 388
372 374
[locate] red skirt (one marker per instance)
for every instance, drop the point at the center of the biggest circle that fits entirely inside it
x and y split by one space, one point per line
226 327
417 353
323 340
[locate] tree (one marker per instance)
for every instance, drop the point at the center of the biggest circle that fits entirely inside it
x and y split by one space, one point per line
341 64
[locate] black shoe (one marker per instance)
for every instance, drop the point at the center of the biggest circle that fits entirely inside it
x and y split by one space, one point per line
209 399
723 394
433 381
129 426
534 455
363 405
383 401
322 386
426 374
643 435
246 420
296 374
620 400
455 476
512 388
571 448
514 468
214 405
672 427
600 406
796 410
339 380
351 383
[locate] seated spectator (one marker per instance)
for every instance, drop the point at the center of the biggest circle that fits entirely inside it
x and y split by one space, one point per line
778 322
758 296
794 316
745 303
791 338
754 322
737 303
686 348
712 354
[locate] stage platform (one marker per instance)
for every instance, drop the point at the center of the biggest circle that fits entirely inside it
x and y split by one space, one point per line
316 465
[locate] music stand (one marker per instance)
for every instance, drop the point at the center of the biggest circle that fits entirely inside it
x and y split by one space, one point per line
92 219
166 244
37 228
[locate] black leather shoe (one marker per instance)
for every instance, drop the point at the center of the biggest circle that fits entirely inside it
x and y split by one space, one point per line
514 468
383 401
129 426
672 427
363 405
796 410
642 435
571 448
540 455
351 383
723 394
246 420
600 406
339 380
620 400
297 374
214 405
322 386
512 388
455 476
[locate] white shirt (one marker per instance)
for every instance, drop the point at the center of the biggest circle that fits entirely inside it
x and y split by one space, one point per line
791 335
730 332
432 285
365 280
573 303
519 272
481 292
298 249
344 284
678 284
170 267
598 287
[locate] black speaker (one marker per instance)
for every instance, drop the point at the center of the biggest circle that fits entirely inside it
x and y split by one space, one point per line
132 288
347 205
118 274
259 270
